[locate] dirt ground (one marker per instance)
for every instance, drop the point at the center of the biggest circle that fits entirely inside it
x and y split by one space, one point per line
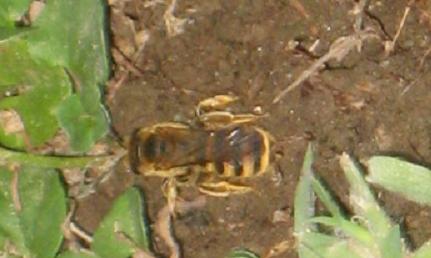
370 102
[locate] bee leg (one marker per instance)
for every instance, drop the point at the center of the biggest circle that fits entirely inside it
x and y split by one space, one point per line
223 188
218 101
219 119
169 189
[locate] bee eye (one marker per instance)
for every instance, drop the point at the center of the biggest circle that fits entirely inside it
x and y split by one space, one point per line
162 147
150 147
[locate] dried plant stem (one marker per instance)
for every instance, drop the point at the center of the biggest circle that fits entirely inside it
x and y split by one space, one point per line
390 46
338 50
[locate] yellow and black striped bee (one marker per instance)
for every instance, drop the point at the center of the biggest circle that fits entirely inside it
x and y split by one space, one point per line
220 148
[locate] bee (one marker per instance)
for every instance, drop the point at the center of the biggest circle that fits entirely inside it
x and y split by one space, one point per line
221 147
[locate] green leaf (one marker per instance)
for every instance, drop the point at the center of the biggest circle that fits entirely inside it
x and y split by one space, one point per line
304 196
304 202
342 249
70 254
410 180
10 228
391 247
123 230
36 228
10 33
424 251
315 245
43 203
82 49
326 198
13 140
363 201
82 128
349 228
12 10
41 89
242 253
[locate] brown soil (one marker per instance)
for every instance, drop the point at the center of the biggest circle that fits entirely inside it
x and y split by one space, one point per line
369 103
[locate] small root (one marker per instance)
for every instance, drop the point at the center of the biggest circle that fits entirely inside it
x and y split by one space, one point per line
163 225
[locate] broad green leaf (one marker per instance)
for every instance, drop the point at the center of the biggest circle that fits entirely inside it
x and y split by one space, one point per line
43 211
123 231
82 50
81 127
242 253
70 254
410 180
36 229
424 251
41 88
14 141
12 10
10 33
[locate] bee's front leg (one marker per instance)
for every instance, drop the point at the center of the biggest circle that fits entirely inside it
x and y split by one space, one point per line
223 188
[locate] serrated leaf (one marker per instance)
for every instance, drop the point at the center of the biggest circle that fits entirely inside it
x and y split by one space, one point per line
43 202
12 10
81 48
36 228
242 253
82 128
123 231
41 89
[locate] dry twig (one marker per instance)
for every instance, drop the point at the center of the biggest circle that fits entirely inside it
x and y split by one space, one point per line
390 45
338 50
174 25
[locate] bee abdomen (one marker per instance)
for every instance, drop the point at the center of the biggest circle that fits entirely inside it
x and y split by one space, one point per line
242 152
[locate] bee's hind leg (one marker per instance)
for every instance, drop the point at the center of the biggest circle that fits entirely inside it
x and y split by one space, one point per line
218 101
223 188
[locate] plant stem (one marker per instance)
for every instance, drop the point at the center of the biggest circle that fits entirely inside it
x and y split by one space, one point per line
9 156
